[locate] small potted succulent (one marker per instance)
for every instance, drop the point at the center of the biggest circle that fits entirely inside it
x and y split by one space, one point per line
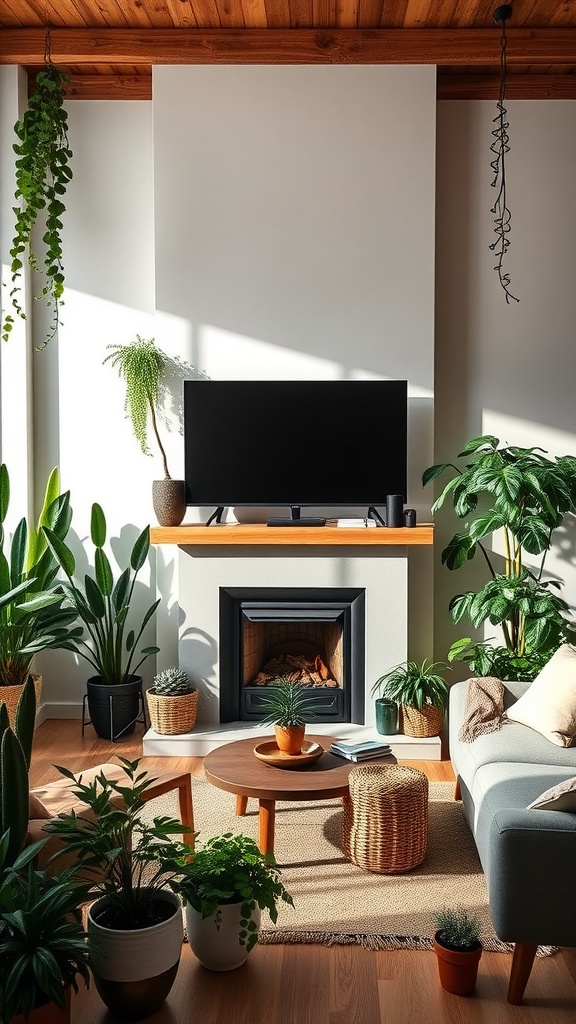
226 886
172 702
289 707
421 693
458 948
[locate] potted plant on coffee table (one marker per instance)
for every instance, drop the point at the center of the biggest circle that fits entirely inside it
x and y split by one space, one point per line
226 886
289 706
32 618
172 702
421 693
137 866
458 948
43 945
110 646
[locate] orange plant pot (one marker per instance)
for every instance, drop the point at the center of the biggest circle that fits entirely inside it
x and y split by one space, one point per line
290 738
458 970
49 1013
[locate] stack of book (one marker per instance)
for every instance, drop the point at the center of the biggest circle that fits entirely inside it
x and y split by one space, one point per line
369 750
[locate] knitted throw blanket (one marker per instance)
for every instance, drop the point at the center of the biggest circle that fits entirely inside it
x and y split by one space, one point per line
484 708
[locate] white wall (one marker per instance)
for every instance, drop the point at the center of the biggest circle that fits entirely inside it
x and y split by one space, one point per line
507 370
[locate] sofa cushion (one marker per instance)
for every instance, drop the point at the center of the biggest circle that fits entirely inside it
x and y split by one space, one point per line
36 809
549 704
512 743
561 797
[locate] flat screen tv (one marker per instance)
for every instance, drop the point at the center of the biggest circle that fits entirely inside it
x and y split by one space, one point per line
294 443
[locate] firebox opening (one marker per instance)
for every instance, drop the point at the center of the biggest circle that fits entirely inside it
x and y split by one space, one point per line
314 636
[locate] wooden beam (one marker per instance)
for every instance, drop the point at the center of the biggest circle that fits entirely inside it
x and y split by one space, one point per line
105 87
518 87
461 47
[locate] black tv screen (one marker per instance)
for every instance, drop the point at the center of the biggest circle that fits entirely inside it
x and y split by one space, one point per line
337 443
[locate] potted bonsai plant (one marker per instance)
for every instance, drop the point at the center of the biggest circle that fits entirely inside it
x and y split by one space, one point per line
43 945
103 606
421 693
143 366
32 618
136 865
289 707
172 702
526 496
458 949
226 886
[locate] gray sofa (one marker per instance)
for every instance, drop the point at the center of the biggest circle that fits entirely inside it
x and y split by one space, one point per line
528 856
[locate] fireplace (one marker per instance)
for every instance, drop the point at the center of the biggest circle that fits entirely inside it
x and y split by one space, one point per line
313 635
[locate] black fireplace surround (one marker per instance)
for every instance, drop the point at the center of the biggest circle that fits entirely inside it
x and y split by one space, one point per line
345 606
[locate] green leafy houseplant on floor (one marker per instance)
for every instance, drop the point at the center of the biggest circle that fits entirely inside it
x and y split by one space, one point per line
136 865
421 693
42 175
108 642
458 949
32 616
226 886
43 947
525 495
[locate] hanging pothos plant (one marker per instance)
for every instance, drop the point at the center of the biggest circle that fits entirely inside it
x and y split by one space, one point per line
42 174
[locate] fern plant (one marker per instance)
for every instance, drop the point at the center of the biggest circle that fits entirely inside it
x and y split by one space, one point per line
42 175
142 365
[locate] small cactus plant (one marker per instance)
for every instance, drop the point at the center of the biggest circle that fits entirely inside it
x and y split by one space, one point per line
173 682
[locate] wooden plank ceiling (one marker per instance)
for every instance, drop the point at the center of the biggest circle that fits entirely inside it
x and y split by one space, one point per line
108 47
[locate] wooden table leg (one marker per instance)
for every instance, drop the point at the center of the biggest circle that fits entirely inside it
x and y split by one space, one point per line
267 819
186 809
241 804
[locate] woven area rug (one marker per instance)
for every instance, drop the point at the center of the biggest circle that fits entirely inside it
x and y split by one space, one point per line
336 902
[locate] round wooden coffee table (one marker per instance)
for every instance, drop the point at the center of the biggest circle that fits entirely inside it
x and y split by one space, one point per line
234 768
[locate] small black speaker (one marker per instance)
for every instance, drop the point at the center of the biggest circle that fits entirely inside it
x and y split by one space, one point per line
394 510
410 517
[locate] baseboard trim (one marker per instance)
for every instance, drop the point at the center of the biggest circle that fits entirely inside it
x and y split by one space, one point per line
58 709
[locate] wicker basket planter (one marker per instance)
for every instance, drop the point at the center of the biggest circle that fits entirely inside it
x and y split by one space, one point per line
170 716
10 695
426 722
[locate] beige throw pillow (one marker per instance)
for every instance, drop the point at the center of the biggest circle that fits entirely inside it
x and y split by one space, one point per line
549 703
558 798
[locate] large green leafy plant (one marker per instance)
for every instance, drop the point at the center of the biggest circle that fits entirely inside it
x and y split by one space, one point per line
231 869
103 605
526 495
43 946
129 857
32 616
414 684
42 175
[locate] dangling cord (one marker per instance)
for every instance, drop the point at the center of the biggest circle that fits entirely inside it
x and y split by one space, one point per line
500 147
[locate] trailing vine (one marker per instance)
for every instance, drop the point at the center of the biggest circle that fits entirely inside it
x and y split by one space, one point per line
42 175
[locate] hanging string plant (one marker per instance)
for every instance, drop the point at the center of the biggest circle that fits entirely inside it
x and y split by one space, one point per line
42 175
500 147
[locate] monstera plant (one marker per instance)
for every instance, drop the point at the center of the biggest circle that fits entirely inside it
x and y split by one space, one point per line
524 495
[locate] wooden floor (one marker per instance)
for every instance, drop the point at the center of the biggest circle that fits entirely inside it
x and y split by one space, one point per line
314 984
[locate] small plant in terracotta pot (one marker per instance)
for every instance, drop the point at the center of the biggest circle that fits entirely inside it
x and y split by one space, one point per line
290 706
458 948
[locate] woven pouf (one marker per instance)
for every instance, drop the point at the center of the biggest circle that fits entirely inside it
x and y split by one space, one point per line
385 826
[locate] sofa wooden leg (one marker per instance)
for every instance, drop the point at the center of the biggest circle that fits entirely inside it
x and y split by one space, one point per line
457 793
522 960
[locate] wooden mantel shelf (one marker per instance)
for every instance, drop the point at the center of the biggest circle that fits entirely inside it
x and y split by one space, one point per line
246 534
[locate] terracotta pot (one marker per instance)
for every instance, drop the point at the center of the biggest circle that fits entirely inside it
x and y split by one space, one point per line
218 947
458 969
290 738
49 1013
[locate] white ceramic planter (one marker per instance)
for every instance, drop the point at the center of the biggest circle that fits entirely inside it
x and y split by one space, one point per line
218 949
135 970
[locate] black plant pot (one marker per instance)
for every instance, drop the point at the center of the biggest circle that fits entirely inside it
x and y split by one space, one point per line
114 710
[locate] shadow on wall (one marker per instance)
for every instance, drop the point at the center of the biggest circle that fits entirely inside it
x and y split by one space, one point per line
198 655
